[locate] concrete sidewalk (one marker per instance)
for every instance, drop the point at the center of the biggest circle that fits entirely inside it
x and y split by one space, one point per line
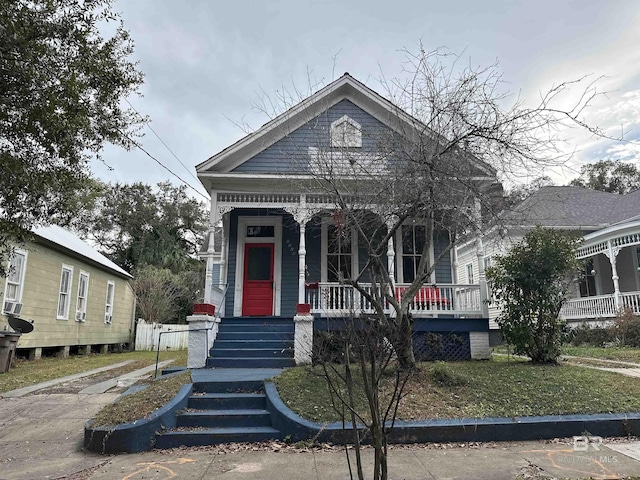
41 435
496 461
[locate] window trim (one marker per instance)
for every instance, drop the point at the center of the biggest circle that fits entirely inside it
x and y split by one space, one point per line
400 254
82 311
23 272
109 306
324 244
67 294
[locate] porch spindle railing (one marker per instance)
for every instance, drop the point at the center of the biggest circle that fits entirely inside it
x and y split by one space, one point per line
337 299
601 306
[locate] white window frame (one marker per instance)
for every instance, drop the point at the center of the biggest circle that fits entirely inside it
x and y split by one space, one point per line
341 138
470 275
81 310
108 304
243 223
20 283
400 254
325 249
64 297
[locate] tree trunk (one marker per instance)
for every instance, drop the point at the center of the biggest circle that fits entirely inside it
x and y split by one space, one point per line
402 341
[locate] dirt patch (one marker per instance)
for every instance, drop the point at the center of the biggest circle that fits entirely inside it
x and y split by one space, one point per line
141 404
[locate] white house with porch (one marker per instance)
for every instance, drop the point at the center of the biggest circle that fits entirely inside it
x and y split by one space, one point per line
282 253
610 226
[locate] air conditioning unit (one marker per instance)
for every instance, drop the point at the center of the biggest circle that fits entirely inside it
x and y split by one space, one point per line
81 316
12 308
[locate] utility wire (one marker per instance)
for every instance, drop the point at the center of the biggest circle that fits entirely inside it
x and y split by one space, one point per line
171 151
169 170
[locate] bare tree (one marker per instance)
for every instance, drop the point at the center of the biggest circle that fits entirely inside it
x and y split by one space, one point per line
434 173
453 136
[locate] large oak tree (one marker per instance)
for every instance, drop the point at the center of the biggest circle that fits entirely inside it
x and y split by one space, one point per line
61 89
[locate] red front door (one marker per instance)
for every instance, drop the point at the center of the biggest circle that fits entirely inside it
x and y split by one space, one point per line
257 290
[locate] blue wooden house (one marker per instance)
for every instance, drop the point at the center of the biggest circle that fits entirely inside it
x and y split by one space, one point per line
275 249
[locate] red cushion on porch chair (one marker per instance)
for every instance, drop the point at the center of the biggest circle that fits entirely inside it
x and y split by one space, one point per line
425 296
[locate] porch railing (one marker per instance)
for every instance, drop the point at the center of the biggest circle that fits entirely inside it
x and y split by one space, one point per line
334 299
600 306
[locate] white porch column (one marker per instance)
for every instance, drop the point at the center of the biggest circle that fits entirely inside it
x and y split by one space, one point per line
482 278
223 251
612 254
213 218
391 253
302 263
391 261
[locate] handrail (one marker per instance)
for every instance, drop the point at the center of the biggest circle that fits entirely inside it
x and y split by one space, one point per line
155 374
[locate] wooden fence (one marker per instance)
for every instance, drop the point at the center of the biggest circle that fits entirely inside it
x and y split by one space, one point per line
147 336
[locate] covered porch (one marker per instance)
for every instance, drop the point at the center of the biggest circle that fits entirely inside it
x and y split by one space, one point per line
611 278
281 254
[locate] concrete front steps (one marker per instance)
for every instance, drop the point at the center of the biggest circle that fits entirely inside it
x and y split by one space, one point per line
228 403
222 412
253 342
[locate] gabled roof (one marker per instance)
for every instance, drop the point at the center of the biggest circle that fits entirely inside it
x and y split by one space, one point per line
345 87
69 242
574 207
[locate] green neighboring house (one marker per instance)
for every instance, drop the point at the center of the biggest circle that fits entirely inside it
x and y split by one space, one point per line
79 300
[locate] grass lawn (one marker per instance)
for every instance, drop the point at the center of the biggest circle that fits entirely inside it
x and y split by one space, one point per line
479 389
28 372
626 354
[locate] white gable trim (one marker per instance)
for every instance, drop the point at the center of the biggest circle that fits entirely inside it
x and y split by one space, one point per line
345 88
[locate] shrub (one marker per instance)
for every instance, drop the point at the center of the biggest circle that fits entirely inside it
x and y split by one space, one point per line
626 328
591 336
532 283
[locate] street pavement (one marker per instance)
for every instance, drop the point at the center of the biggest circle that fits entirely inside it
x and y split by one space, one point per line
41 438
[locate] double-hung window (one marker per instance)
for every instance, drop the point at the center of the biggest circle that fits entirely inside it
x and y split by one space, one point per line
15 282
108 308
339 253
83 291
64 296
470 277
413 245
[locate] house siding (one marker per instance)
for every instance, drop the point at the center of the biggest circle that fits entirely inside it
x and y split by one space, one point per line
443 267
40 302
314 251
291 153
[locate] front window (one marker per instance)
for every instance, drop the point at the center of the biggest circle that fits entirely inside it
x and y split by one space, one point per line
414 240
470 278
83 290
588 281
339 252
64 296
108 309
14 284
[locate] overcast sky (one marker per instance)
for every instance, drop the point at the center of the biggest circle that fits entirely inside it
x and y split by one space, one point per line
207 62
